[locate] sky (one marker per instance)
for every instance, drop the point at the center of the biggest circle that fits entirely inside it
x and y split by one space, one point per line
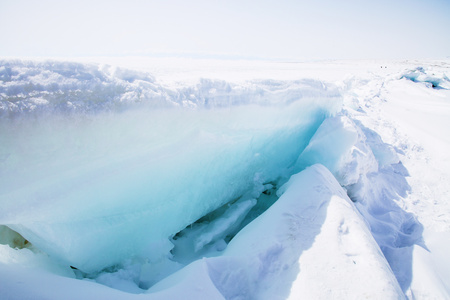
322 29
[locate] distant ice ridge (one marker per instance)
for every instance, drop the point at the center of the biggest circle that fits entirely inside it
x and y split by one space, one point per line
420 74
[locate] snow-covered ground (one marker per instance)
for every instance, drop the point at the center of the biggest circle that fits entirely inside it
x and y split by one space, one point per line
163 178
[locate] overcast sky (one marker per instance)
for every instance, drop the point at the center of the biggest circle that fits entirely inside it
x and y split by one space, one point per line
324 29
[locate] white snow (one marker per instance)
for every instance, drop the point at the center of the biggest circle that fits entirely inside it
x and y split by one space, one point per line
224 179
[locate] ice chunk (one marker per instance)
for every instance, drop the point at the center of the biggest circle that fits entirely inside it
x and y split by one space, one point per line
93 190
198 235
12 238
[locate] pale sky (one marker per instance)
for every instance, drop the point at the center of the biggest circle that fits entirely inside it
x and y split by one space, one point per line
324 29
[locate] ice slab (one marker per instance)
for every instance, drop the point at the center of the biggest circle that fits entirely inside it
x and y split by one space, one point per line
94 186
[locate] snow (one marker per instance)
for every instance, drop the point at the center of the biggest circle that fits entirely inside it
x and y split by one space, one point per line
224 179
412 116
